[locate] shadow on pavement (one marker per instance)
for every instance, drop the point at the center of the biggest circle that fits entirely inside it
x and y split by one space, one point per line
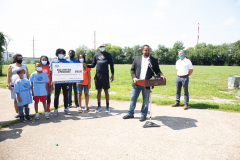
177 123
204 106
12 134
15 129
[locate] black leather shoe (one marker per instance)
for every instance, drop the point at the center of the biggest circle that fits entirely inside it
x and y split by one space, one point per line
142 119
127 116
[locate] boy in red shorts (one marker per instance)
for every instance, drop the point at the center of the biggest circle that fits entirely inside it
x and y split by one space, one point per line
39 85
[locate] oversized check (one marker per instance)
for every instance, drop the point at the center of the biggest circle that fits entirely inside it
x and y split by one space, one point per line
67 72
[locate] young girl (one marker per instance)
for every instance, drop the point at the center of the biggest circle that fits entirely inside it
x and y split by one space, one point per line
86 85
45 68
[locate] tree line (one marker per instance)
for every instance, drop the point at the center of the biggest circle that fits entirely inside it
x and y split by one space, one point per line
201 54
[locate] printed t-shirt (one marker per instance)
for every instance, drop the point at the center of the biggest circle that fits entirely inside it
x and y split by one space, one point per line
23 87
39 83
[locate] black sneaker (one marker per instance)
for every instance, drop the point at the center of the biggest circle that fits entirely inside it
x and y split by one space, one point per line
22 120
87 110
142 119
29 118
127 116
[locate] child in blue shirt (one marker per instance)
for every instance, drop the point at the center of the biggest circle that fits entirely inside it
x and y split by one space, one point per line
39 85
22 88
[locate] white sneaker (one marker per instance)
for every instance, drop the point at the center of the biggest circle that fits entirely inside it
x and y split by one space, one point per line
16 115
37 116
46 115
55 112
66 111
80 109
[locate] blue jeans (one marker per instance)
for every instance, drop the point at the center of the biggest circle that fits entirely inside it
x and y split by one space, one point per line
20 110
81 87
135 94
70 94
182 82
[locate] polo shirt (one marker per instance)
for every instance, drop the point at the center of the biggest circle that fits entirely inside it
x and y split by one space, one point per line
183 66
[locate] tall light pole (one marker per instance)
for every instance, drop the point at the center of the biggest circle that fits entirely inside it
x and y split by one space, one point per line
198 34
33 48
94 40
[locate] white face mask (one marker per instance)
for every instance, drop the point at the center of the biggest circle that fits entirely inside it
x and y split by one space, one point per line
81 60
102 49
61 56
44 62
39 69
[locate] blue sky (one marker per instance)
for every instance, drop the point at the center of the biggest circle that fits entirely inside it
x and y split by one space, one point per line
70 23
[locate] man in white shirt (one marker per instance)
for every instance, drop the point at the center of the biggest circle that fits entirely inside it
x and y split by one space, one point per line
184 70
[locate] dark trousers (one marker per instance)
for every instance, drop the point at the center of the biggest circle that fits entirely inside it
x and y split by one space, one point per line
20 110
182 82
58 87
74 86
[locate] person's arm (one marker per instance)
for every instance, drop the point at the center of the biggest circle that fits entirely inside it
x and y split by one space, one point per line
27 73
190 66
47 88
89 79
32 88
9 73
94 62
133 71
190 72
111 67
19 98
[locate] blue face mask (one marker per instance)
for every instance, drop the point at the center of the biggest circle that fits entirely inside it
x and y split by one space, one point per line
60 56
81 60
180 56
102 49
44 62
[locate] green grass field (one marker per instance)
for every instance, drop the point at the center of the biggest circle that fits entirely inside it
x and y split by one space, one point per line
206 82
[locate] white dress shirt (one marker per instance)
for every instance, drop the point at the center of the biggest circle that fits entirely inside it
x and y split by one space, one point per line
183 66
144 67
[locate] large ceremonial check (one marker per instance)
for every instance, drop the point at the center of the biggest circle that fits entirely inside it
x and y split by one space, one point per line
67 72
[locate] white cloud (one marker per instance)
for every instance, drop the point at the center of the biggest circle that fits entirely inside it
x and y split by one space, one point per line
163 3
229 21
238 3
158 15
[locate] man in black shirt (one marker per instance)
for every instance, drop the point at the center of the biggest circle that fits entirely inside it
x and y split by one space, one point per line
102 59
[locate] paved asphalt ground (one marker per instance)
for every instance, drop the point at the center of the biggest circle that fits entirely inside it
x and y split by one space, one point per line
194 134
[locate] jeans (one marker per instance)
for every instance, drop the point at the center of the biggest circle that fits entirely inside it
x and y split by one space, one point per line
58 87
135 94
70 94
182 82
20 110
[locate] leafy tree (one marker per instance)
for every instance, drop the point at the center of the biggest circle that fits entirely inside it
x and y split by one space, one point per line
161 53
81 50
28 61
4 40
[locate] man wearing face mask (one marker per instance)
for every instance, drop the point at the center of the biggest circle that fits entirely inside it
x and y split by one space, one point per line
60 53
72 59
102 59
184 70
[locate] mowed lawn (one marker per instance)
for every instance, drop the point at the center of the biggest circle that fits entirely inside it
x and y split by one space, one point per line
206 82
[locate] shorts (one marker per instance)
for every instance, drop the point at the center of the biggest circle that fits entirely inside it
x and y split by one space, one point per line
39 98
13 95
80 88
102 81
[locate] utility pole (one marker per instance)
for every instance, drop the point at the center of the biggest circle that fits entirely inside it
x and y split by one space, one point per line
198 34
33 48
94 40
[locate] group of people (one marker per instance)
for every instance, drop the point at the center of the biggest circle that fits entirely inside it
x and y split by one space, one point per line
41 86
